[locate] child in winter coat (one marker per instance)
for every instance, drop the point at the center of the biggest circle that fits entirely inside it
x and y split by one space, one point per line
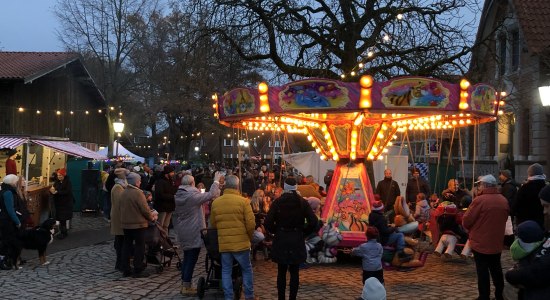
449 222
530 237
422 211
371 252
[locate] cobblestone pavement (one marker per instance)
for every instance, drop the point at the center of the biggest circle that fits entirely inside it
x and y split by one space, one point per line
88 273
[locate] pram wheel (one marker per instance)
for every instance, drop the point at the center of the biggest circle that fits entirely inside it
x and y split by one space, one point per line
201 287
178 265
160 269
237 287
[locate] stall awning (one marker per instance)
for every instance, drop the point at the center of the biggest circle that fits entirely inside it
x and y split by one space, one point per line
70 148
11 142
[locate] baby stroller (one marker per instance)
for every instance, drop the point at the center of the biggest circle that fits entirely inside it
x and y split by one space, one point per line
213 267
159 248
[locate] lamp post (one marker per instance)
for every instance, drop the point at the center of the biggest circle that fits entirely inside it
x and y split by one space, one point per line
118 126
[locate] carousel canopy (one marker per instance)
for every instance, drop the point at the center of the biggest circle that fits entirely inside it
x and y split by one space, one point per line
357 120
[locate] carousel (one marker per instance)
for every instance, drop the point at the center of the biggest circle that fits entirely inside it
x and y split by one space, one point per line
352 122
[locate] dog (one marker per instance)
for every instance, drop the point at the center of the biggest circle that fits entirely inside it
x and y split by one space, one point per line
37 238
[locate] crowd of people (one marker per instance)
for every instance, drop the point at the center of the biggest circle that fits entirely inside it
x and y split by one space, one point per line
279 207
249 215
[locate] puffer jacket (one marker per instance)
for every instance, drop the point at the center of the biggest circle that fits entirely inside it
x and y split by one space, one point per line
532 275
232 216
188 217
422 212
135 213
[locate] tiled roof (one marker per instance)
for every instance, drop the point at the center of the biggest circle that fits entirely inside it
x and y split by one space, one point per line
32 65
533 16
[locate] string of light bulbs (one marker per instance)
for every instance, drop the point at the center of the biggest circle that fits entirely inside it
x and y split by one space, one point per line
59 112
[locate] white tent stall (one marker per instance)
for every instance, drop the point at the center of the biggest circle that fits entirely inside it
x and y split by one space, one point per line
122 151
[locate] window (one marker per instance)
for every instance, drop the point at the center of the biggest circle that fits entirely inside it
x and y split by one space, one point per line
515 50
502 54
277 144
227 143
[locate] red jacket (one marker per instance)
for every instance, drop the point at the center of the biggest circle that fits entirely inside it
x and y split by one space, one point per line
11 167
485 221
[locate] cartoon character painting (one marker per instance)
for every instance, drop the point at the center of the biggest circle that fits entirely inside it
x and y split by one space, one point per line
238 102
317 94
483 98
351 211
415 92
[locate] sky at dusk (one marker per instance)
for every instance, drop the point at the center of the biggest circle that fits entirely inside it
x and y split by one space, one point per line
28 25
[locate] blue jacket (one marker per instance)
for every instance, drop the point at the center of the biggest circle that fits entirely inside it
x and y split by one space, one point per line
371 252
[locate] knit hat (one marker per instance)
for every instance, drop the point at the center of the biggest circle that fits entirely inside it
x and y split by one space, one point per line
377 205
168 169
62 172
373 290
488 179
377 197
506 173
11 179
544 194
133 178
534 169
290 184
121 172
530 232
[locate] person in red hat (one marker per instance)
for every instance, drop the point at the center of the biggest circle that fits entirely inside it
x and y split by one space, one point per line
62 192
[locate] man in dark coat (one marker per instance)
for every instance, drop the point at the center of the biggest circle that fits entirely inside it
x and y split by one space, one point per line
164 202
290 218
527 205
63 200
508 187
388 190
416 185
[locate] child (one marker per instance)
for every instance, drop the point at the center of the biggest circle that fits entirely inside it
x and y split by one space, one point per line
371 252
530 236
451 231
422 212
373 290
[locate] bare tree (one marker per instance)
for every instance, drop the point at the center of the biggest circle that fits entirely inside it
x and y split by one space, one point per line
327 38
177 69
100 29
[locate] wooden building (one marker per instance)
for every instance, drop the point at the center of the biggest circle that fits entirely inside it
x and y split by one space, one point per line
51 94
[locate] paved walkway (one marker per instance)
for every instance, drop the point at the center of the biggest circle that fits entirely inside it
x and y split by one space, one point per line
87 272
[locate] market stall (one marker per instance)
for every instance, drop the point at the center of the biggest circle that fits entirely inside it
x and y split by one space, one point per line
37 158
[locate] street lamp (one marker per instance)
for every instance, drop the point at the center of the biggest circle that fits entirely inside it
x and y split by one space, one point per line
544 92
118 126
